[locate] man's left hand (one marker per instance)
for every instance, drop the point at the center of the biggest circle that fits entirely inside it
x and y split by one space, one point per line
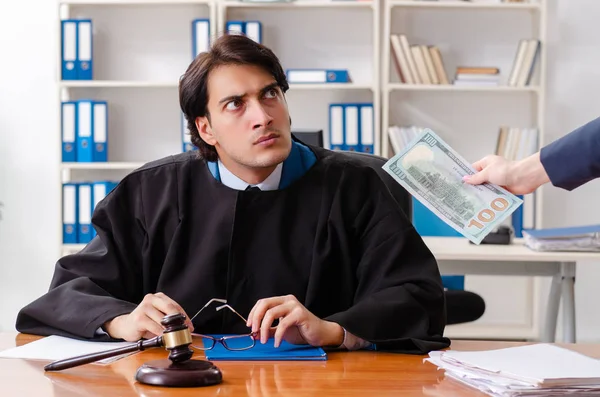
297 325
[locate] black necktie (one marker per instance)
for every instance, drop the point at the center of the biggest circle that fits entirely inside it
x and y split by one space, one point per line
252 189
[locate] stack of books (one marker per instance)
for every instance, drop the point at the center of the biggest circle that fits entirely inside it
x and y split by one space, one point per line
531 370
476 75
417 63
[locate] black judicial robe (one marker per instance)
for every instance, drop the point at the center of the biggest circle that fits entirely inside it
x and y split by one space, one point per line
335 239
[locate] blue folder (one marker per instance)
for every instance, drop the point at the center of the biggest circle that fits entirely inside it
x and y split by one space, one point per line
564 232
267 352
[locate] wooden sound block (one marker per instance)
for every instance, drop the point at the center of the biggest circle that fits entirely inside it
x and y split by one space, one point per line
190 373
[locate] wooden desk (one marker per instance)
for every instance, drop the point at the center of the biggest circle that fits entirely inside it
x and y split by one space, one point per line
457 256
343 374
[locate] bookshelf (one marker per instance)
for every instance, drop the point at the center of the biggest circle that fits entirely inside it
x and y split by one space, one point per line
469 117
141 87
282 22
133 77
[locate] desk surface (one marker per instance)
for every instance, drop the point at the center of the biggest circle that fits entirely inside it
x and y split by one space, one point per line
343 374
458 248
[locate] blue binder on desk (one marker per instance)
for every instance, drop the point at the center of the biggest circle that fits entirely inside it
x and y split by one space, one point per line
267 352
564 232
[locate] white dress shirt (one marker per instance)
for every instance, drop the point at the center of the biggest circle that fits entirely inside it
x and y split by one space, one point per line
232 181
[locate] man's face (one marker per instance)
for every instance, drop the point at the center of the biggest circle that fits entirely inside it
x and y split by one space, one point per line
249 120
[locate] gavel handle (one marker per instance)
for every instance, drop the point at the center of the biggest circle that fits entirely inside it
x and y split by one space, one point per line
89 358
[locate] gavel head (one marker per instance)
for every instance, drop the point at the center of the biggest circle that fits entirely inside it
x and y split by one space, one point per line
177 338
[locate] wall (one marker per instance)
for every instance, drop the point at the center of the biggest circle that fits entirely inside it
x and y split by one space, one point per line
29 157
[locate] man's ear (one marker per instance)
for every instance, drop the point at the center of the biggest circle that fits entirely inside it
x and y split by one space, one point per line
205 130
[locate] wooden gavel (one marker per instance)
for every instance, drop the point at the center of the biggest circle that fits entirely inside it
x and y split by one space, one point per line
178 371
176 338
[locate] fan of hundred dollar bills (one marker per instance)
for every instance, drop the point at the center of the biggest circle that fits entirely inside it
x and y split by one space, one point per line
432 172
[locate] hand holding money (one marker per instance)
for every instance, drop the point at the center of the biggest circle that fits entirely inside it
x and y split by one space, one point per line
433 173
518 177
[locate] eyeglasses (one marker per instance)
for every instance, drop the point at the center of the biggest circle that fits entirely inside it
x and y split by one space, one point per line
230 342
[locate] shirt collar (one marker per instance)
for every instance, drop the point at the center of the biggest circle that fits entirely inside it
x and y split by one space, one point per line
232 181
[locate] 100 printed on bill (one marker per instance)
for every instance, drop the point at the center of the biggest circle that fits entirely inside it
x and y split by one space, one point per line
431 171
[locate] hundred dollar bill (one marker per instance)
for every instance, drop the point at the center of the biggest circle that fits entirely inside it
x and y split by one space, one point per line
432 172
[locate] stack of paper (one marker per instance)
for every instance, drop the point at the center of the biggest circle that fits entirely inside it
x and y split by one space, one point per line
533 370
581 238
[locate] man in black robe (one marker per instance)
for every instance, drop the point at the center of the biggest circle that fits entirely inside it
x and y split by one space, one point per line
286 233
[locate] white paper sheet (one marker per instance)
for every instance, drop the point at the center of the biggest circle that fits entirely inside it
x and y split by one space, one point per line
54 348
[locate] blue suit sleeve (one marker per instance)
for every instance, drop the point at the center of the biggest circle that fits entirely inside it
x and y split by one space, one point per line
574 159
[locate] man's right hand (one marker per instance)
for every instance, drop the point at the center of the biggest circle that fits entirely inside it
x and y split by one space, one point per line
144 321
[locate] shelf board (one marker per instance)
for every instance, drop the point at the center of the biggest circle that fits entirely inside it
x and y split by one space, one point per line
330 86
133 2
72 247
102 166
463 5
462 88
149 84
116 84
300 3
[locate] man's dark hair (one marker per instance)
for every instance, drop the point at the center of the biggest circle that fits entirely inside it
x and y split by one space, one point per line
229 49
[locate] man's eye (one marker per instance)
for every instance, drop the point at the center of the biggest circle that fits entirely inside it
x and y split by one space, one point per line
272 93
233 105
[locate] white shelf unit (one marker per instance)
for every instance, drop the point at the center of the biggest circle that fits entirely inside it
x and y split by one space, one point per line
309 103
132 75
514 312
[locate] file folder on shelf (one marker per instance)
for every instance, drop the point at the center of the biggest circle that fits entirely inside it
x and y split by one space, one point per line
317 76
84 233
69 213
200 36
85 149
69 49
234 27
252 29
367 128
351 127
336 127
69 131
77 49
100 131
91 131
84 49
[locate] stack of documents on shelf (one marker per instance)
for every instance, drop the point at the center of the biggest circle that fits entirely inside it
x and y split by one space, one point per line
579 238
532 370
